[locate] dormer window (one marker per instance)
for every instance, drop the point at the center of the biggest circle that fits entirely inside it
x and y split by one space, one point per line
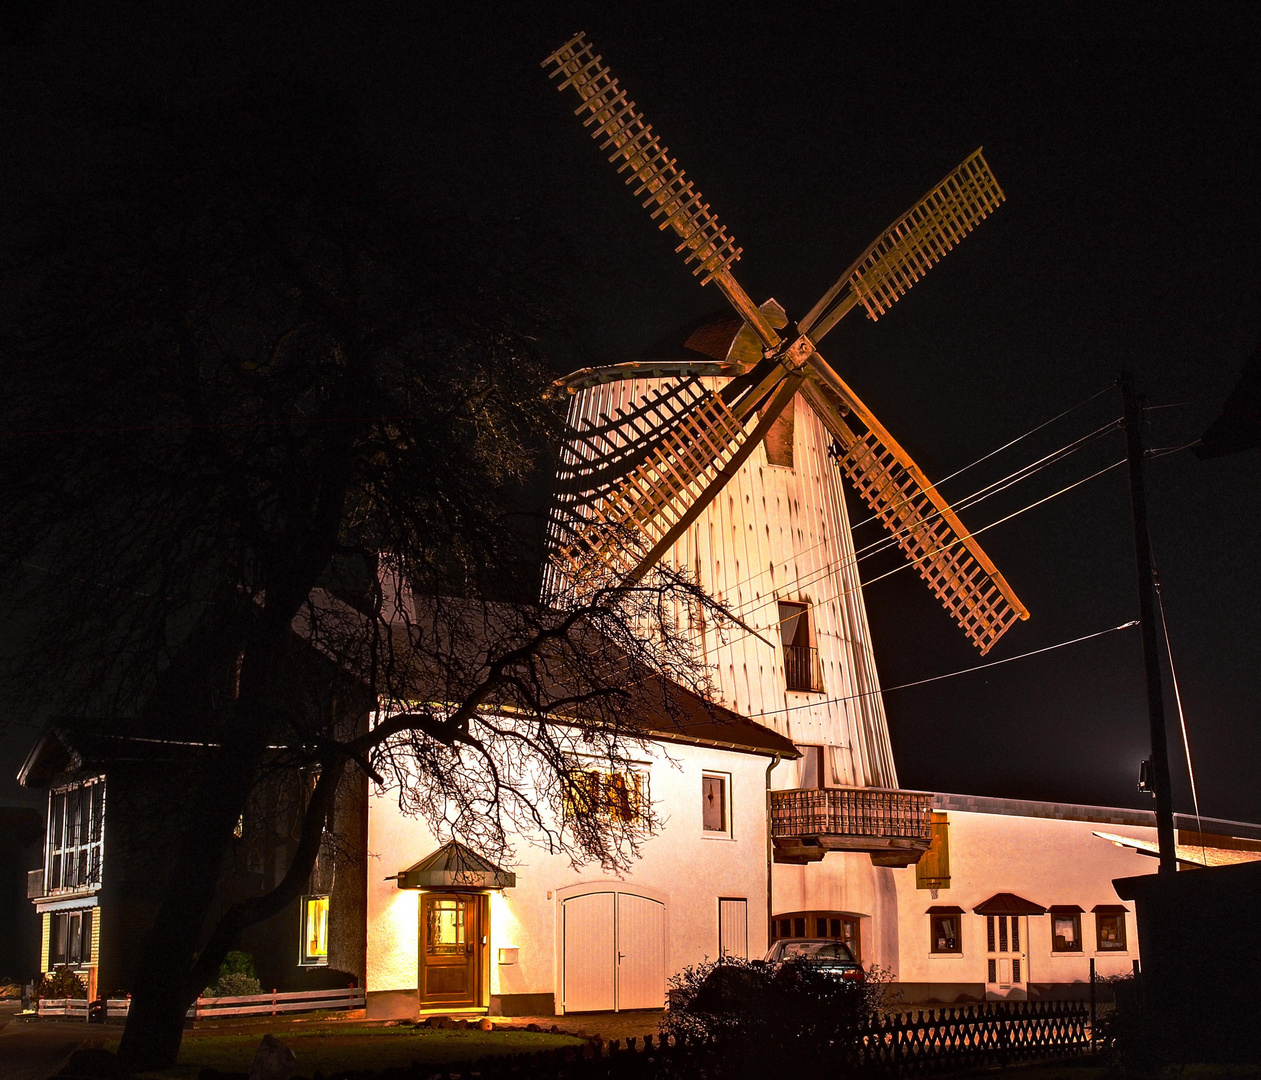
801 658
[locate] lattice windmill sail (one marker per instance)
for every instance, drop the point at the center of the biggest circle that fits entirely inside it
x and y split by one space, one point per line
634 482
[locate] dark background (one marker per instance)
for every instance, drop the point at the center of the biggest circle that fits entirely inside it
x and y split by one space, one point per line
1125 138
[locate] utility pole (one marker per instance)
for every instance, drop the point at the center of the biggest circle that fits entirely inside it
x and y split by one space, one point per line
1132 414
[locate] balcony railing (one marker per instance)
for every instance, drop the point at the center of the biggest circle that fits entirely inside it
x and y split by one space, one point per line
801 668
34 884
894 827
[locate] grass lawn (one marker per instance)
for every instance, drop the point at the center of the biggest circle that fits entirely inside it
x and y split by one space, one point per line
353 1046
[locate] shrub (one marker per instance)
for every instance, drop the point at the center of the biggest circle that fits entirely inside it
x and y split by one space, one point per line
61 983
771 1019
236 977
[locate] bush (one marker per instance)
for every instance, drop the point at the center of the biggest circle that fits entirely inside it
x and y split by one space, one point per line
61 983
237 977
771 1019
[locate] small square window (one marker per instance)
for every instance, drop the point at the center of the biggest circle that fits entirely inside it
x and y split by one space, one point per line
715 818
1110 932
944 934
315 930
1065 931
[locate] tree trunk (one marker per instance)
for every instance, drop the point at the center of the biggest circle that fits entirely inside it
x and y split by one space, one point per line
161 992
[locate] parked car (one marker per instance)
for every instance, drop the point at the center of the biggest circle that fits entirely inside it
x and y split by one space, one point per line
821 954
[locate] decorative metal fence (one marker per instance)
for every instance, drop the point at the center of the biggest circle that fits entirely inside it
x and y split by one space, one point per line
801 668
975 1036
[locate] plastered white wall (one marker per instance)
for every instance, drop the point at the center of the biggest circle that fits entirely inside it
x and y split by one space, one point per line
682 866
1045 860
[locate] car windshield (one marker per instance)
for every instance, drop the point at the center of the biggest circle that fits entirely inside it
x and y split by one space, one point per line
817 950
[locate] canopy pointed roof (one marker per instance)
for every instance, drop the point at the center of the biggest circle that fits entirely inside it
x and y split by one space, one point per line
454 866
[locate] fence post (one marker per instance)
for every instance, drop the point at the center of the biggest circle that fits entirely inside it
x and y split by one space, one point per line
273 1001
1092 1004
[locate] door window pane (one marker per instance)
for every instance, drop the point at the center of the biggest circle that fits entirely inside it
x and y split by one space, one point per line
445 935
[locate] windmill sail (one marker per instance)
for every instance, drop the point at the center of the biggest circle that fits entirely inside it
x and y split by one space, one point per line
665 187
948 558
910 247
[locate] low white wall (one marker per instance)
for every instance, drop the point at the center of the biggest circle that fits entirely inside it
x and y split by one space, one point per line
1045 860
682 866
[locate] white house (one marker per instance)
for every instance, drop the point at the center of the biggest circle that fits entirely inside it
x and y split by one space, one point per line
449 931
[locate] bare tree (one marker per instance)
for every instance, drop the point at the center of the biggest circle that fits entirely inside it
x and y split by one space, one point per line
240 370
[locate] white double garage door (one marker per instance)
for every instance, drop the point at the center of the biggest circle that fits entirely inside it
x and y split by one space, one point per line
613 951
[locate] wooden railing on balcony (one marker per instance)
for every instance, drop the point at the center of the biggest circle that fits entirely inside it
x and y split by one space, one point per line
801 668
895 827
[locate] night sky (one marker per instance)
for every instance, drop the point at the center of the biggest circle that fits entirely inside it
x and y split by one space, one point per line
1125 139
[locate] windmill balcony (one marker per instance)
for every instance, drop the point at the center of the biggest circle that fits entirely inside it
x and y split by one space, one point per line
801 668
894 827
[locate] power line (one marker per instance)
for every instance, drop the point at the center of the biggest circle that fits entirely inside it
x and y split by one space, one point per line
1006 445
949 674
958 472
833 567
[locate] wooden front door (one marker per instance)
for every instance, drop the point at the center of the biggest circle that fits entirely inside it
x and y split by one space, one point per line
1006 957
453 948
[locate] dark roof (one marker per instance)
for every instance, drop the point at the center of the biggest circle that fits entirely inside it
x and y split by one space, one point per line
945 909
1005 903
661 708
88 745
1239 425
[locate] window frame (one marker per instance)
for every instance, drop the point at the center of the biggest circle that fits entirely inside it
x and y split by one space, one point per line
726 832
637 813
936 917
61 923
307 958
1123 942
1066 912
804 639
74 850
808 921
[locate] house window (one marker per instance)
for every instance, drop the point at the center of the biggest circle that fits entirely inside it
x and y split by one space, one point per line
314 930
945 926
75 833
801 659
70 938
1110 928
834 925
1065 928
715 818
617 796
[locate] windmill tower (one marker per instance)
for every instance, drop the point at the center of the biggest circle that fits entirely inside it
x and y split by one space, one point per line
730 467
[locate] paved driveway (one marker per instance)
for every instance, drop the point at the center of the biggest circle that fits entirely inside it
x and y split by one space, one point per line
34 1051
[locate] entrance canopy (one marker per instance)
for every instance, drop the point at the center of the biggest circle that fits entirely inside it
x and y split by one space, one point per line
453 866
1005 903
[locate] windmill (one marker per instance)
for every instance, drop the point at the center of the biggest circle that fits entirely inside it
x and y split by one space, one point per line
633 486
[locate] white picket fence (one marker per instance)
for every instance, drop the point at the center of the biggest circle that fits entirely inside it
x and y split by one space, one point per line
206 1008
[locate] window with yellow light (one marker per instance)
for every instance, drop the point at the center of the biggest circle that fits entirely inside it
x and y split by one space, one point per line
314 930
